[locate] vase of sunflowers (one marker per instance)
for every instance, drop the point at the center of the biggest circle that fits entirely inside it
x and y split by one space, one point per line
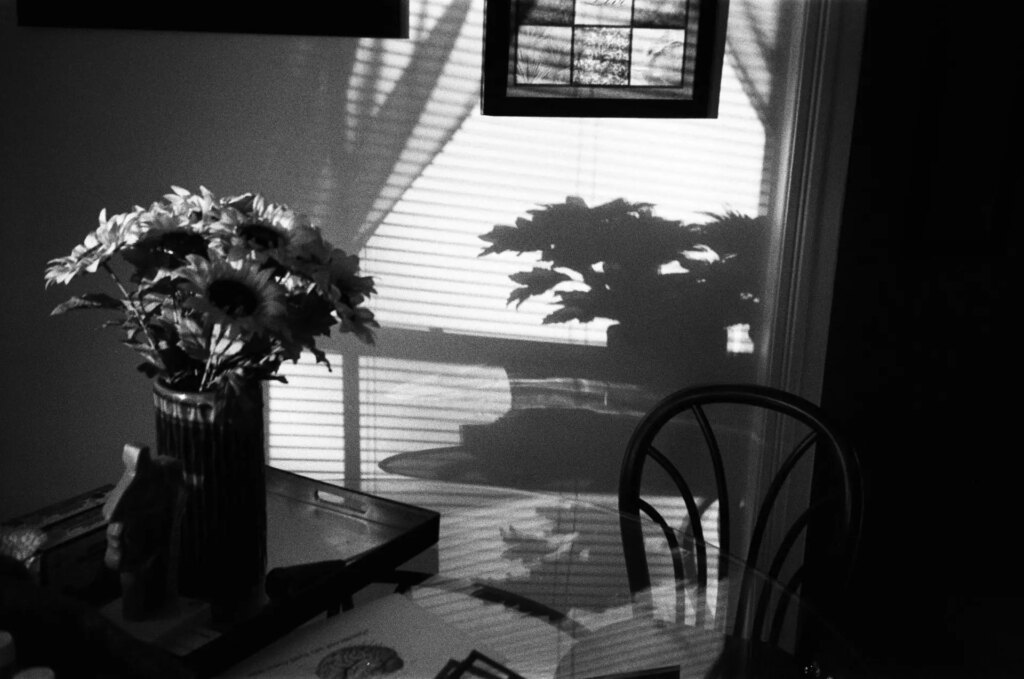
214 294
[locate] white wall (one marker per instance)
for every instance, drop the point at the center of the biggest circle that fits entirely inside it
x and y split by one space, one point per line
92 119
96 118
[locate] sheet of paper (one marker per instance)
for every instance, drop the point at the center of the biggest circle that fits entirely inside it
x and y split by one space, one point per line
391 637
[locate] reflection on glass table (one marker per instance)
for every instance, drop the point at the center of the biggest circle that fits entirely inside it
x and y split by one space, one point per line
538 582
535 581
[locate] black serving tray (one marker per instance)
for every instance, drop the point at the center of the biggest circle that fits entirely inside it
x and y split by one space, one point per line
324 543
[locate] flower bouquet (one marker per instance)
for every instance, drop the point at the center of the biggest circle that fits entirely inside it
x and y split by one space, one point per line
215 292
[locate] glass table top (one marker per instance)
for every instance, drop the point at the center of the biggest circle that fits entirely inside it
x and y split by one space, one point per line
539 579
534 579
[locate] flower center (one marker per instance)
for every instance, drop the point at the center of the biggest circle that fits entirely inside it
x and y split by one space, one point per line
182 243
233 298
261 236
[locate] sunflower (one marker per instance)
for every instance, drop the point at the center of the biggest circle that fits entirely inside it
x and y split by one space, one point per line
166 239
238 295
263 230
195 208
99 246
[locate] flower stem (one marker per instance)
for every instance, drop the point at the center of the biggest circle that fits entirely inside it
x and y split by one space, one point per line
209 357
132 306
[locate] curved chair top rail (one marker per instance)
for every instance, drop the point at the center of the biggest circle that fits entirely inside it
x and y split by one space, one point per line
641 447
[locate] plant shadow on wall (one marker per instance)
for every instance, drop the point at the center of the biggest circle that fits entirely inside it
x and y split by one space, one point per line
673 289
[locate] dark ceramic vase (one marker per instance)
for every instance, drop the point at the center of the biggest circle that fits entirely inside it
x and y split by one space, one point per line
219 439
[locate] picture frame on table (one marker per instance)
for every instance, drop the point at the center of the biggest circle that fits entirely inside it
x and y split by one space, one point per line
619 58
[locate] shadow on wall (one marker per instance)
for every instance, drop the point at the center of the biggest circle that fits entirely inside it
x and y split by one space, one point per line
672 289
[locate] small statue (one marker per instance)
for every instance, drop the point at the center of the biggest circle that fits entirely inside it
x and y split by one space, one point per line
143 512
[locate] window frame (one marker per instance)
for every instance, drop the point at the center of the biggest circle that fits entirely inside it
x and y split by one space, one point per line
806 203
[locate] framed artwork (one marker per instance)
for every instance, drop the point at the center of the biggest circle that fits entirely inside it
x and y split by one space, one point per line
375 18
622 58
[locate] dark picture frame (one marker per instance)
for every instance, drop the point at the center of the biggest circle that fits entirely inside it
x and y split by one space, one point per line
613 58
374 18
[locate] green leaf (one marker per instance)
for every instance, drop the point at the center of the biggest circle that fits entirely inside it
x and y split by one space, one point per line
97 300
192 339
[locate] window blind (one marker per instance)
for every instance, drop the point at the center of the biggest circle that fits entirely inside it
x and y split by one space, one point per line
305 431
416 405
424 253
459 173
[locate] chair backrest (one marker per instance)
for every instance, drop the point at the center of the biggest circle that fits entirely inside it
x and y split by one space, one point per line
684 433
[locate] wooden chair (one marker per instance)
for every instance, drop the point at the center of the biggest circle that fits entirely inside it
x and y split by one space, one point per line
698 437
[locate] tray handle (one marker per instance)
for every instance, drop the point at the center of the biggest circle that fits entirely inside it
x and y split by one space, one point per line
340 502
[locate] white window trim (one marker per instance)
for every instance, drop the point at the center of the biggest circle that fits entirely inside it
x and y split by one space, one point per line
810 190
809 193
